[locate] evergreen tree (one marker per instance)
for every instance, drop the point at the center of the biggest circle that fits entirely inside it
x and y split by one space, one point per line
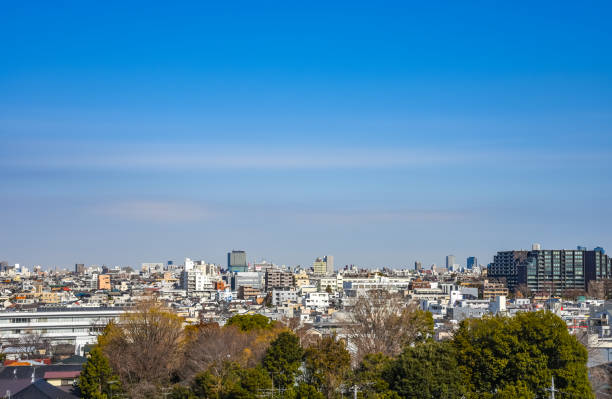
283 359
96 375
426 370
248 322
521 354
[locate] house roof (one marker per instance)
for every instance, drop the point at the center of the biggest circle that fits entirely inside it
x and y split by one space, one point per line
61 374
74 359
41 389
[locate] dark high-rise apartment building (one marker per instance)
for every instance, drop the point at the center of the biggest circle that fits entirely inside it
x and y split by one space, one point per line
598 265
79 268
505 266
551 271
418 265
471 262
236 261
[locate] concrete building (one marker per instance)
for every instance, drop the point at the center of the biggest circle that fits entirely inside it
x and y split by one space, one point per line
450 262
237 261
492 289
196 280
280 296
276 278
104 282
323 265
247 279
75 326
79 269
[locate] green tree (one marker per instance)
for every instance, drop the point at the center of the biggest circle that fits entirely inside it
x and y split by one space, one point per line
303 391
96 375
246 322
426 370
327 365
283 359
521 353
236 382
370 375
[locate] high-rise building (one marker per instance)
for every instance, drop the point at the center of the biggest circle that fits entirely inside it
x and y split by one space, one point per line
418 265
551 272
505 266
329 261
79 268
471 262
236 261
450 261
324 265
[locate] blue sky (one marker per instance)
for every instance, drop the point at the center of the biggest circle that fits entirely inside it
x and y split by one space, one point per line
380 133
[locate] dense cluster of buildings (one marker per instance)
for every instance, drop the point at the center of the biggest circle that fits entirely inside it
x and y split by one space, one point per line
60 312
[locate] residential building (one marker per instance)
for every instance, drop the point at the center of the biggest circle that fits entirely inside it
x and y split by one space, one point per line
492 289
104 282
276 278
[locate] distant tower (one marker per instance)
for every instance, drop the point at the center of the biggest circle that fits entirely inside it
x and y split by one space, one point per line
450 261
418 265
536 247
329 262
236 261
471 262
79 268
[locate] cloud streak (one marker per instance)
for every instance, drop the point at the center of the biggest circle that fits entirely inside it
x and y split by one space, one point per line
145 157
161 211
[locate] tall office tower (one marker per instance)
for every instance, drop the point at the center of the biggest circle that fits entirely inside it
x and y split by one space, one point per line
450 261
236 261
329 261
471 262
79 268
418 265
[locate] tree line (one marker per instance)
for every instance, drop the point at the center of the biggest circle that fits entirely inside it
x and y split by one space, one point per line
392 355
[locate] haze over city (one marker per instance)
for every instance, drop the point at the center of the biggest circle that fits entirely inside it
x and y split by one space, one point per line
382 135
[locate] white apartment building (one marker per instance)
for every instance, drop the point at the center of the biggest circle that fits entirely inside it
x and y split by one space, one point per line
280 296
317 300
196 280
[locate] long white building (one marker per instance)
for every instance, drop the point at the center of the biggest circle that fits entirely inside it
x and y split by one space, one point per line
75 326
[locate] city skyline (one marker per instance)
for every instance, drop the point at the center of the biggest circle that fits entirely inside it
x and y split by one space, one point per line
381 135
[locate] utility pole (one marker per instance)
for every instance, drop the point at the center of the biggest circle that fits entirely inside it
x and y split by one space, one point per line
552 388
354 391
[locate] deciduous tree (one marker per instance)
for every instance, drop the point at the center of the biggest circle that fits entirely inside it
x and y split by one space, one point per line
327 365
383 323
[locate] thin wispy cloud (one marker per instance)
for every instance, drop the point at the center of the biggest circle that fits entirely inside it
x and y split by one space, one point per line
161 211
85 156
